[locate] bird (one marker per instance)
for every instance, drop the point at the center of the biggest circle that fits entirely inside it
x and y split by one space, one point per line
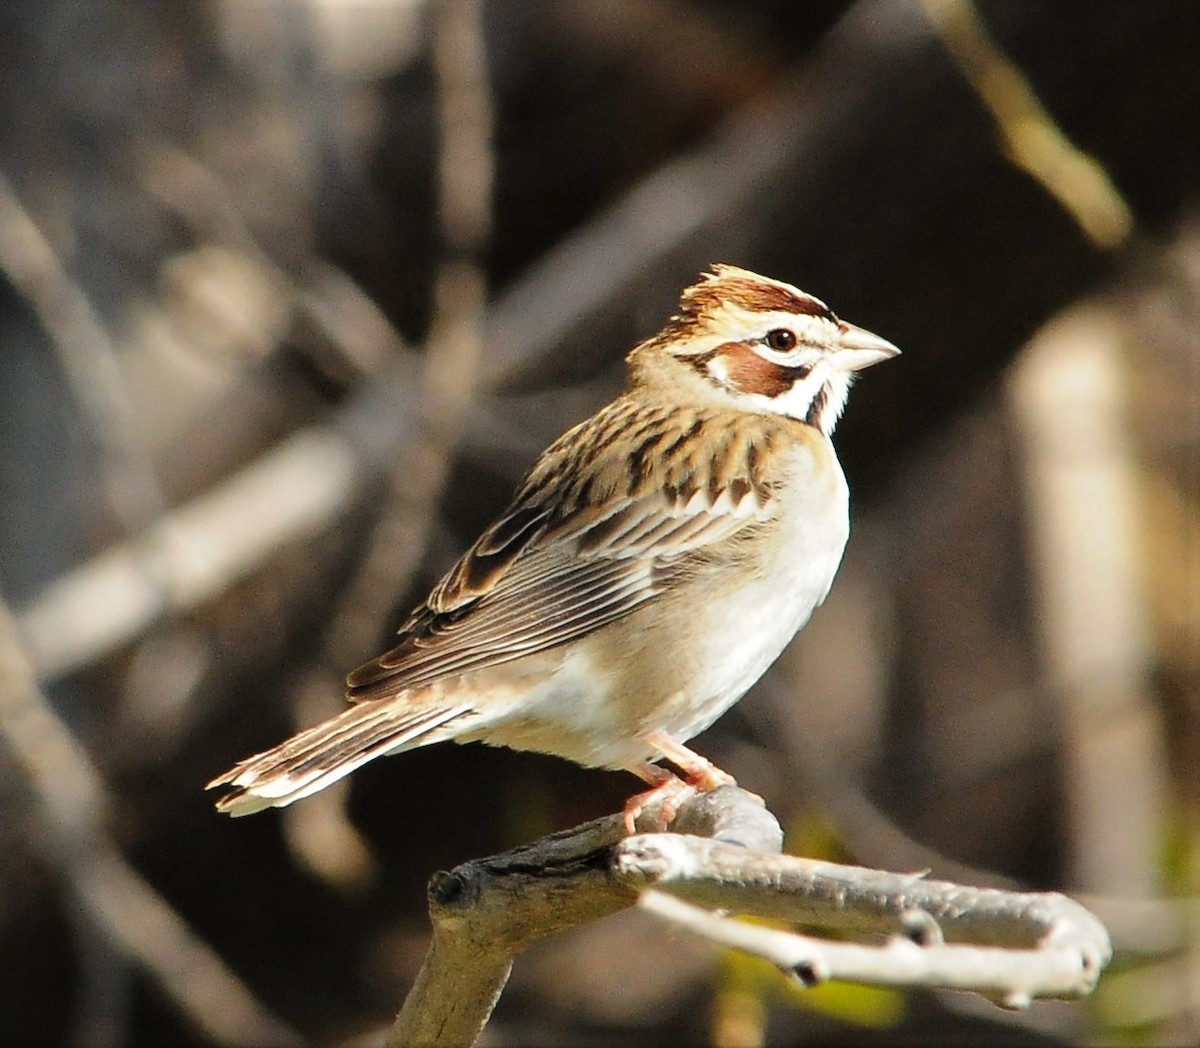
653 563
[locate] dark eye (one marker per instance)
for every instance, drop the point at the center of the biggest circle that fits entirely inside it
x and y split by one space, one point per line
781 339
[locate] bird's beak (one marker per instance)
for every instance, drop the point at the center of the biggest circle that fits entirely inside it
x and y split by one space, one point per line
858 348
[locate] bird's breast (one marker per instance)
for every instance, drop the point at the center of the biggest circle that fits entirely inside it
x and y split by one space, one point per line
692 654
679 661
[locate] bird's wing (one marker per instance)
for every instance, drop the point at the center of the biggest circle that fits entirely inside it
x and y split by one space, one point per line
600 525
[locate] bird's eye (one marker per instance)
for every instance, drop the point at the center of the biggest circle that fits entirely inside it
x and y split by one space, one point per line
781 339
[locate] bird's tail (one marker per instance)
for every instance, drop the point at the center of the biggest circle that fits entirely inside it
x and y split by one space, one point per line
322 754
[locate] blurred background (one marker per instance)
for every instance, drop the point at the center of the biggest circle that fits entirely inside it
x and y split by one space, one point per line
293 291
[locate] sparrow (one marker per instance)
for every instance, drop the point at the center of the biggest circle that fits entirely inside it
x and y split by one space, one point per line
651 566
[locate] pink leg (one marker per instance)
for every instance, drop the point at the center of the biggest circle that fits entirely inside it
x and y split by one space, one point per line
700 771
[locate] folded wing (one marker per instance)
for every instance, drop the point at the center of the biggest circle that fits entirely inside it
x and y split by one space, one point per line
576 552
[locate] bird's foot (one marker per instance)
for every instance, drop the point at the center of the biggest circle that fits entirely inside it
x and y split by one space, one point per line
667 790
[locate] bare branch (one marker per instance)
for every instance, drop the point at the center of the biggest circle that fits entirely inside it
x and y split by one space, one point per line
855 899
1009 945
1015 977
487 911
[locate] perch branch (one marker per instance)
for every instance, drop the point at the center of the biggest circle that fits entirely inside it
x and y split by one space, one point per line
487 911
1022 944
855 899
1010 946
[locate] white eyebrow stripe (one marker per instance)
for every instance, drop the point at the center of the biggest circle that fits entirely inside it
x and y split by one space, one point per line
749 319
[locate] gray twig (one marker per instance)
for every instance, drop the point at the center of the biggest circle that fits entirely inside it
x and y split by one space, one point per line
1010 946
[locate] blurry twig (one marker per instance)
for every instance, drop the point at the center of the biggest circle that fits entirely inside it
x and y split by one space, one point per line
125 907
1069 398
1035 142
88 359
330 299
449 367
319 832
191 555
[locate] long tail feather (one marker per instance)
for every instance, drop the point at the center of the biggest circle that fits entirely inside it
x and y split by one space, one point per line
324 753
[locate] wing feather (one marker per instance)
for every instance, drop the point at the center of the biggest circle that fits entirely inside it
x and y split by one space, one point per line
591 535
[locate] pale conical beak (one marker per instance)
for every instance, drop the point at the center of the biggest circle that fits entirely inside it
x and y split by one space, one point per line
859 349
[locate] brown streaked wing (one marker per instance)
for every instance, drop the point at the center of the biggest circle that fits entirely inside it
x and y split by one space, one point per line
556 567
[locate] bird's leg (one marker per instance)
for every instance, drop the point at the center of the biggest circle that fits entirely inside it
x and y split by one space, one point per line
701 772
666 788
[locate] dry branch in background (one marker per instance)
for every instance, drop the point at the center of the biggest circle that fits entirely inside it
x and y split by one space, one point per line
1034 141
1071 403
126 909
88 359
319 833
724 856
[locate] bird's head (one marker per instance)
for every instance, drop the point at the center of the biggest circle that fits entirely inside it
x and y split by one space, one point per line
761 344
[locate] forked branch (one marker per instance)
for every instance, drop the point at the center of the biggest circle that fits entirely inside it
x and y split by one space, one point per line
724 854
